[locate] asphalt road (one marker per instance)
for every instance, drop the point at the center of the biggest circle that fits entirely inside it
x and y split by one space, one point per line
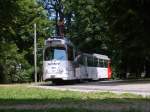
141 87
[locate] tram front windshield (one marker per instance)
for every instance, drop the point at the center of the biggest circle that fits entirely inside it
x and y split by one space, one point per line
58 53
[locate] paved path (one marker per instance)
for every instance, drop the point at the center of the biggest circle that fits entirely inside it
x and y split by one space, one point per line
131 86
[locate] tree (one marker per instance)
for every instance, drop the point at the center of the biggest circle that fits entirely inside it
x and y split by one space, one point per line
17 35
56 14
128 23
87 25
8 12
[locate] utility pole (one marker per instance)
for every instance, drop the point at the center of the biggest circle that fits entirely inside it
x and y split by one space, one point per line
35 55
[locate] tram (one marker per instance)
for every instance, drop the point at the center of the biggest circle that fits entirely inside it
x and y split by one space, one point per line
59 54
61 64
92 66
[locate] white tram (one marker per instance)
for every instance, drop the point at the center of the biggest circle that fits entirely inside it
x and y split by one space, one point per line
58 59
92 66
60 63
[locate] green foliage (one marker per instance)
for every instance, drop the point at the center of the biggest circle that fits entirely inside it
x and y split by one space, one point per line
128 23
30 13
88 26
16 38
15 67
8 12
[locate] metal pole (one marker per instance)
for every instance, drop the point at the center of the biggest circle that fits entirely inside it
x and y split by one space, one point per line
35 55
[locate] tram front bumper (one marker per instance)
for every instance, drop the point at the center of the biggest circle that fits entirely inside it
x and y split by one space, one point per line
55 77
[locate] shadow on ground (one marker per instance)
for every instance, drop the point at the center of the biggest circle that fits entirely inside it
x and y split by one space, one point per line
64 104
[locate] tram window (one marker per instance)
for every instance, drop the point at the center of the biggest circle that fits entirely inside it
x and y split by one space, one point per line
60 54
55 53
90 62
101 64
95 63
70 53
105 63
48 55
81 60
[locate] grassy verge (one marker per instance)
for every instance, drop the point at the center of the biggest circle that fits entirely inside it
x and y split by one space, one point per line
27 99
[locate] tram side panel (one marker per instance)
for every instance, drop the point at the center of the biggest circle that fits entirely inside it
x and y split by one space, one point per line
80 68
71 71
102 73
80 72
92 73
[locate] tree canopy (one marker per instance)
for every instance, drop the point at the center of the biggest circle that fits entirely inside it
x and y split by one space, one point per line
16 37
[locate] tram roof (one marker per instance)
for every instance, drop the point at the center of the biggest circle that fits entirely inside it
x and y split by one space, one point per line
100 56
62 40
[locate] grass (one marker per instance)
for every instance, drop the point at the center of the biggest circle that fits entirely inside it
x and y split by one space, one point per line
66 110
67 101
